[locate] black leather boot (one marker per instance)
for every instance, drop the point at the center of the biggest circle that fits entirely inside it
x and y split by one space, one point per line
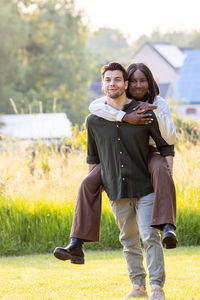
73 251
169 239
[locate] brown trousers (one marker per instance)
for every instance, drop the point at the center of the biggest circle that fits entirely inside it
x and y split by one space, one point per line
87 216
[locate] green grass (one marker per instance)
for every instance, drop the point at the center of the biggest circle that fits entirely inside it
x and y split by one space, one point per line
36 212
104 276
37 227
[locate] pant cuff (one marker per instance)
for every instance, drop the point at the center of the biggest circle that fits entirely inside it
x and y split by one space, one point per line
139 282
157 283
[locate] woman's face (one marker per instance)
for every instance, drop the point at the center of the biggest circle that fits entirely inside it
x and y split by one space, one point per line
138 85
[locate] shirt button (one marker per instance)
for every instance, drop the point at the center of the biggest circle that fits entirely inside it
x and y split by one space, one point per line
118 139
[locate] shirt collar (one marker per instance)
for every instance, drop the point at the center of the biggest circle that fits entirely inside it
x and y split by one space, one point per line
133 103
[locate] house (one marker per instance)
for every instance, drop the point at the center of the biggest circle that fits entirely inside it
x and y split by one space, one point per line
46 127
177 72
187 93
165 61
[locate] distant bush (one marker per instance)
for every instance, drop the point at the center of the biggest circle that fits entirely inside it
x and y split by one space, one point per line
187 131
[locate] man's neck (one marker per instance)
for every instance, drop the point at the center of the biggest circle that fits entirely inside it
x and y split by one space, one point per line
119 102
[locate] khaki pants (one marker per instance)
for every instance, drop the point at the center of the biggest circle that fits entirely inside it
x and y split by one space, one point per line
133 219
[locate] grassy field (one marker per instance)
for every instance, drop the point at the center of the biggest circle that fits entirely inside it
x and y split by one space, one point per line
36 210
104 276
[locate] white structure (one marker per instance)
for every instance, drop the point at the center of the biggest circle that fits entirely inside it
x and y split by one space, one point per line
35 126
189 111
165 61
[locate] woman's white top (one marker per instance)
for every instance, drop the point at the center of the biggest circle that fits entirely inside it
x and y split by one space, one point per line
166 125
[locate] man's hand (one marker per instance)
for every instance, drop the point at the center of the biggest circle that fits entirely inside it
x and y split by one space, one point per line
143 107
136 118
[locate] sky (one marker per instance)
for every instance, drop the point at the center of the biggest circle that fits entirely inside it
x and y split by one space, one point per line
136 17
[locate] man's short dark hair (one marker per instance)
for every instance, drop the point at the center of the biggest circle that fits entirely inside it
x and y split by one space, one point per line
114 66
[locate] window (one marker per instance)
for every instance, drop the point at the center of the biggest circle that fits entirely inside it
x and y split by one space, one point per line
191 111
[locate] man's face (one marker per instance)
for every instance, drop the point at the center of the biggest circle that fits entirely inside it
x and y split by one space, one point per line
113 84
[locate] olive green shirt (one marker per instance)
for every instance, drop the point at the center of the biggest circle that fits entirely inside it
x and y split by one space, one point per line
123 149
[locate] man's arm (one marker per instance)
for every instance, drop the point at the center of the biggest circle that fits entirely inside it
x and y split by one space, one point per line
138 116
165 122
99 108
163 115
92 158
165 149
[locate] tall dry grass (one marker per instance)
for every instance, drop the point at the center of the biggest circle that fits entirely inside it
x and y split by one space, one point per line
36 210
187 175
55 179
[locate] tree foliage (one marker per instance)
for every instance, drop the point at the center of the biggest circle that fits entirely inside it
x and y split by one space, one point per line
12 40
110 44
179 38
54 62
105 45
57 60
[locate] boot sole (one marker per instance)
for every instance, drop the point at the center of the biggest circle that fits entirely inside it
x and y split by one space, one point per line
63 255
170 241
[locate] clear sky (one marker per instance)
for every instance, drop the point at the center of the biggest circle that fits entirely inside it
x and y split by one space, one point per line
137 17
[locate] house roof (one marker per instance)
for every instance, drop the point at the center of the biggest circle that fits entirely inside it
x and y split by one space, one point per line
185 49
33 126
170 53
188 86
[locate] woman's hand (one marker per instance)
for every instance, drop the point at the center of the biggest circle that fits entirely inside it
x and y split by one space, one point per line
137 118
143 107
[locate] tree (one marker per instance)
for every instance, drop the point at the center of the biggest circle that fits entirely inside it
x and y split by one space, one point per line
109 45
106 45
12 41
178 38
56 61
